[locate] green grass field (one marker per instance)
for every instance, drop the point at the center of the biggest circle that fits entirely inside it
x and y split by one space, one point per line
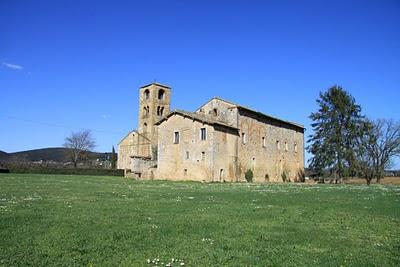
62 220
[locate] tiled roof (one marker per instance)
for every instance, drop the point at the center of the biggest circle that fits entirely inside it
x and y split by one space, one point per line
158 84
259 113
196 116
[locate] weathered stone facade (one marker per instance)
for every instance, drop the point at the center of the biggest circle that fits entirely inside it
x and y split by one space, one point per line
137 151
220 141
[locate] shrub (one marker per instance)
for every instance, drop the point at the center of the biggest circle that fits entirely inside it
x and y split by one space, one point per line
4 170
301 176
29 168
285 177
249 175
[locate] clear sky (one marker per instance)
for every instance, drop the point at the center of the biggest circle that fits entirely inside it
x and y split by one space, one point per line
69 65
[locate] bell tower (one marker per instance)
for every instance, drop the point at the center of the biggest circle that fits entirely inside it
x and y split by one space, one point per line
154 104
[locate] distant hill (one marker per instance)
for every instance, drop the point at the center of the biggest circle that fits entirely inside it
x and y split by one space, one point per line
57 154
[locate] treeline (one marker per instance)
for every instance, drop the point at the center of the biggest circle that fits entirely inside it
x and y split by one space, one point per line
346 143
45 169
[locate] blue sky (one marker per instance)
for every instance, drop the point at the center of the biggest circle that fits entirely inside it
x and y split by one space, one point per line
69 65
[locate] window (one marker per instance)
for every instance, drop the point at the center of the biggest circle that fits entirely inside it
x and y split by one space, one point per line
295 147
278 145
146 111
244 138
160 111
203 155
215 112
187 155
221 175
203 134
176 137
161 94
286 146
185 172
144 127
146 94
264 143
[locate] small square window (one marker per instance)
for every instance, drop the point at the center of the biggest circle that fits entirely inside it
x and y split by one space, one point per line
176 137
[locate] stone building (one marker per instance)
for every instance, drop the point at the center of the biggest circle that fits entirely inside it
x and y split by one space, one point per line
219 141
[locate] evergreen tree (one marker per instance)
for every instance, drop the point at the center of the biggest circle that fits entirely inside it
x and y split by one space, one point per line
113 159
336 129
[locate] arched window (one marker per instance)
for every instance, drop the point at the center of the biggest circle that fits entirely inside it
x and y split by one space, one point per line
161 94
160 111
146 111
145 127
146 94
221 175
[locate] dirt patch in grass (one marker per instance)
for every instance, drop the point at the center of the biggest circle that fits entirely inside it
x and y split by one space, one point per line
385 181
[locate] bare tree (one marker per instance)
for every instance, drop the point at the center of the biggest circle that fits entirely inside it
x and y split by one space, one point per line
78 143
378 146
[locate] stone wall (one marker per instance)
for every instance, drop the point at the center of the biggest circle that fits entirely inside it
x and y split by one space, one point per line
173 161
271 149
276 155
142 168
221 111
126 148
225 162
149 113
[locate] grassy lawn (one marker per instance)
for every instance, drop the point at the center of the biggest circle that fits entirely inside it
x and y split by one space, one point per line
111 221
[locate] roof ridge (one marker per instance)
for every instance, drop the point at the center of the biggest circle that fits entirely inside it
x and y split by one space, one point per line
255 111
195 115
155 83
